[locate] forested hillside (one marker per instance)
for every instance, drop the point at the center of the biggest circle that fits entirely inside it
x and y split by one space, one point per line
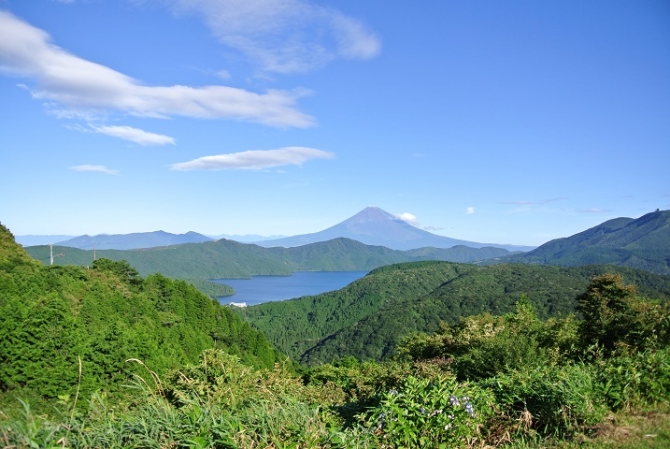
58 320
369 317
642 243
229 259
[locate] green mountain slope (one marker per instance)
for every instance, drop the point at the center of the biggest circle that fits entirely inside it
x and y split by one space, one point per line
642 243
229 259
370 316
53 316
298 324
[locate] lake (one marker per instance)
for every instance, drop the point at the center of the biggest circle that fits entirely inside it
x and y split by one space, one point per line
260 289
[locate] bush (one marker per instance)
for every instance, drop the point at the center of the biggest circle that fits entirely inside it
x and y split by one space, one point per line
552 399
639 379
427 413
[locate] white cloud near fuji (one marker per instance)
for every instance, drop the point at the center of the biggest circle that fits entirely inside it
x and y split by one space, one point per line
136 135
284 36
81 88
254 159
408 218
469 210
94 168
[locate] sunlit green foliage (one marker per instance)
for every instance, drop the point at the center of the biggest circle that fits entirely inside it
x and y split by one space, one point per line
57 321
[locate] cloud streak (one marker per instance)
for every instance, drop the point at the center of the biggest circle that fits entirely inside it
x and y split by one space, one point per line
94 168
593 210
86 89
284 36
254 159
138 136
532 203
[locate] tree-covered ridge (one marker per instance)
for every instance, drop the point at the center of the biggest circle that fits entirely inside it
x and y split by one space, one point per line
12 255
54 318
297 325
229 259
369 317
642 243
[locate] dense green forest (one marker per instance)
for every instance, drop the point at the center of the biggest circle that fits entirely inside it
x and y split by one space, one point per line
369 317
67 327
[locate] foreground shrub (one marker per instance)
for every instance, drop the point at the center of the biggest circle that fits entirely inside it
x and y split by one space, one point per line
635 380
428 413
554 400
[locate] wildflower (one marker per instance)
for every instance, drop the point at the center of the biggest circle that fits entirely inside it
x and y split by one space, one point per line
453 401
393 392
470 409
450 416
447 427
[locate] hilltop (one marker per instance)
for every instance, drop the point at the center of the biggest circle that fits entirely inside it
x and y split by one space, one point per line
133 241
642 243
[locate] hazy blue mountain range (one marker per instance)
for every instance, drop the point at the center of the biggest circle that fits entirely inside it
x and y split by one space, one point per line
371 226
374 226
229 259
246 238
133 241
33 240
642 243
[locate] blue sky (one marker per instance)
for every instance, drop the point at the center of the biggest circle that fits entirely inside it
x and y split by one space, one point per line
507 122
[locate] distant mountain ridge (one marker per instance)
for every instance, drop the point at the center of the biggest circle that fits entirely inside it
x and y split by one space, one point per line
374 226
642 243
371 226
34 240
136 240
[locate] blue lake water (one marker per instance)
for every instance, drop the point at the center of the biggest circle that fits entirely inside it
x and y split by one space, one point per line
260 289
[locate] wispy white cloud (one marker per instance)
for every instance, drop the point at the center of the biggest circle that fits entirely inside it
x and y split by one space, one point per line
469 210
533 203
95 168
136 135
408 218
284 36
594 210
254 159
85 88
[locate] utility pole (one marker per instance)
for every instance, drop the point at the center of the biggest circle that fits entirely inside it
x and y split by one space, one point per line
51 253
